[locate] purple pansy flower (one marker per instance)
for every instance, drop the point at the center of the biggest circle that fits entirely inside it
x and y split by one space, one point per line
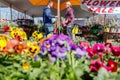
80 52
52 59
36 58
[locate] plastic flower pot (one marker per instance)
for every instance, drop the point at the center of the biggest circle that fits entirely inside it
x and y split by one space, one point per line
107 29
118 30
112 29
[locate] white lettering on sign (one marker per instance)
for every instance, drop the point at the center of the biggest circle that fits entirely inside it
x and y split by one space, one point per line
102 6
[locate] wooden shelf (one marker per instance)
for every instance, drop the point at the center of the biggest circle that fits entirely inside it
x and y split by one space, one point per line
111 34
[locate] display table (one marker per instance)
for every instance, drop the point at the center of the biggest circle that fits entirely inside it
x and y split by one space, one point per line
111 36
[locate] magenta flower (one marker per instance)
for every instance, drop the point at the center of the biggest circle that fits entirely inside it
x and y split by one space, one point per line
98 48
116 50
91 52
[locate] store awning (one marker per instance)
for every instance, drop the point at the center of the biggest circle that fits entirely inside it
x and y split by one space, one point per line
27 7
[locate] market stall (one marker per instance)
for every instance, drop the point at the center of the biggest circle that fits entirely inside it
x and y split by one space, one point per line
105 7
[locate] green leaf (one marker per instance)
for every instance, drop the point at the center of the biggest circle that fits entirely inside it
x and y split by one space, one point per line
103 74
36 64
78 72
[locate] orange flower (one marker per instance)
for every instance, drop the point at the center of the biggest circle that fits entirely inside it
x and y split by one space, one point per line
10 46
20 47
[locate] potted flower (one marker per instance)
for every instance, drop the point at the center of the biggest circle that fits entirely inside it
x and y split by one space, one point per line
113 29
118 30
107 29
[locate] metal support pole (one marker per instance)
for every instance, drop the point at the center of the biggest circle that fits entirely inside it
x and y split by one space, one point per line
0 13
58 14
18 15
105 20
11 15
25 14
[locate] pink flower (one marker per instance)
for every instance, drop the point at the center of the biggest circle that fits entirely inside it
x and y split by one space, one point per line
63 24
84 44
96 65
116 50
108 47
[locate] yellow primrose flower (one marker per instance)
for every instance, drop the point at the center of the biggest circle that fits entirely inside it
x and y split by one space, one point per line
25 66
7 38
34 34
40 36
2 44
26 51
24 36
12 55
13 33
19 32
11 28
3 41
16 29
29 43
34 49
35 38
75 30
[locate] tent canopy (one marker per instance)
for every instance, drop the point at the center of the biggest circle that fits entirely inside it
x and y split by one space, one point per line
36 9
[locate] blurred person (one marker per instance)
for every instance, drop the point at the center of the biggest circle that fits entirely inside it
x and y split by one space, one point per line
69 19
47 18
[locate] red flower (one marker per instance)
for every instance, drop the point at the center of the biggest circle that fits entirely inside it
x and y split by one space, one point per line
95 65
6 28
91 52
18 38
112 66
108 45
116 50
